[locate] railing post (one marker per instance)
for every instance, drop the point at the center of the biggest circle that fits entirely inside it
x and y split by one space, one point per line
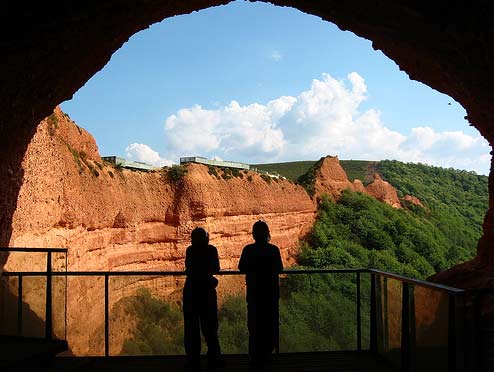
477 354
107 320
385 316
451 333
48 309
359 321
405 328
373 315
66 294
19 305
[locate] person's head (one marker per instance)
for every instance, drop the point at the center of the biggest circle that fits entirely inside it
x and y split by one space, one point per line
199 236
260 232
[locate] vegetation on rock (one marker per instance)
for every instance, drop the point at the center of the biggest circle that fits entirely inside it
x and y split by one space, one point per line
308 179
176 173
52 124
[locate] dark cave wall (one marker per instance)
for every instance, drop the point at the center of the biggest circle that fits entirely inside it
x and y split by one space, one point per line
50 49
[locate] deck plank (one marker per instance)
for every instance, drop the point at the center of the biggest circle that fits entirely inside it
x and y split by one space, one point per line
306 362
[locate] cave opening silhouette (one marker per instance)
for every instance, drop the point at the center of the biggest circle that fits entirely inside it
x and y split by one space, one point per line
47 61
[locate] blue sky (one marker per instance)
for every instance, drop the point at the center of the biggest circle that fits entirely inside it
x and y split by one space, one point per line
257 83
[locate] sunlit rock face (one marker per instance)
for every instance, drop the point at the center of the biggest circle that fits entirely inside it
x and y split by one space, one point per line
331 178
383 191
414 200
119 219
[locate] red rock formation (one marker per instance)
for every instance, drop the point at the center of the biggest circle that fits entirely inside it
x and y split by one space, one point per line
358 186
70 198
331 178
383 191
118 219
414 200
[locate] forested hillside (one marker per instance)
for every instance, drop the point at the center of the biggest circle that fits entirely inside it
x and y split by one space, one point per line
358 231
456 201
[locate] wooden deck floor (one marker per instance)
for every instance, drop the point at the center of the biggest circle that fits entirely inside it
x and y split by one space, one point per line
306 362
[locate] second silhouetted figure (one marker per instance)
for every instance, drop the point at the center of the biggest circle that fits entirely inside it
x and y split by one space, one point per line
261 263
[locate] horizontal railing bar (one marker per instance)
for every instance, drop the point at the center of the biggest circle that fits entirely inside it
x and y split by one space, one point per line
96 273
480 290
325 271
27 249
168 273
439 287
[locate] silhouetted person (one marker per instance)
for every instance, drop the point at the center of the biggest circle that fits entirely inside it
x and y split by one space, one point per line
261 263
199 300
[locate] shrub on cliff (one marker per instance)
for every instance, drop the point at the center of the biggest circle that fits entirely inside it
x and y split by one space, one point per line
266 178
52 124
227 173
176 173
213 171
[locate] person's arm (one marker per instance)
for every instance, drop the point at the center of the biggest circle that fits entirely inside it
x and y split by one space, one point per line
215 261
278 264
242 264
187 261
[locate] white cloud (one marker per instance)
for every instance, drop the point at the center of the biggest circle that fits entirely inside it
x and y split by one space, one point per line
235 130
322 120
144 153
276 55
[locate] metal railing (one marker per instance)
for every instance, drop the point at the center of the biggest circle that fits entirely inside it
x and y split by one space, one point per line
379 307
408 353
49 276
106 275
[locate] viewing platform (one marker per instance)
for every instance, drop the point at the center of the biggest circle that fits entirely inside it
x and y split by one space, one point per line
384 322
215 163
129 164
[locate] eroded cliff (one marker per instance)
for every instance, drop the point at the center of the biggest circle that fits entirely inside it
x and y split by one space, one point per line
119 219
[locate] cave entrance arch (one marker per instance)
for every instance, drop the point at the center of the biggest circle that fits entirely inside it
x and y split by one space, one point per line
53 49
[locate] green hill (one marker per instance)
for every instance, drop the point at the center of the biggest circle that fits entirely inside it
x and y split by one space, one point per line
415 241
456 200
360 169
291 170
